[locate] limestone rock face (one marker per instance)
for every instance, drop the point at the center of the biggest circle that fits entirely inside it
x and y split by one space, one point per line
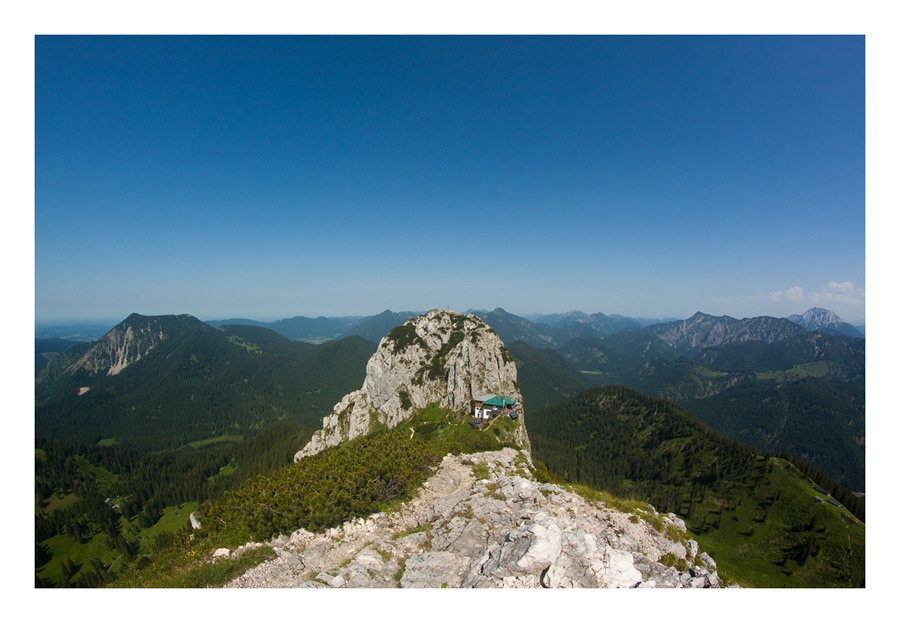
504 531
124 344
703 331
440 357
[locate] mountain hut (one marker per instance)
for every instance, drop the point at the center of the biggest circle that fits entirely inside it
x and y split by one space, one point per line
488 406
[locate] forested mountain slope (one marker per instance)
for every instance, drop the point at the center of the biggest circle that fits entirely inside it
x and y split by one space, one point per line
804 396
545 377
160 382
758 514
47 349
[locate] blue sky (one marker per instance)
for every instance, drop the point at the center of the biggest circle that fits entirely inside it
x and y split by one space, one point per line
269 177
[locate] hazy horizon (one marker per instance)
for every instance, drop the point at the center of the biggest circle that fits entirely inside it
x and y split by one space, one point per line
270 318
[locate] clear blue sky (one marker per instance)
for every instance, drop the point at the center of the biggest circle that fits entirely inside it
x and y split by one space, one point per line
268 177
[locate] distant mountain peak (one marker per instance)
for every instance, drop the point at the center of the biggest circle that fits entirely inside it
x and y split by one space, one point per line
825 321
817 315
132 339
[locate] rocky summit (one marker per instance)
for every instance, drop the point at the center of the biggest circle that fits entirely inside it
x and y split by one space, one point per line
440 357
124 344
483 521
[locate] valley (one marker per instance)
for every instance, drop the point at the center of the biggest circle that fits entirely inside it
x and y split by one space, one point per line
226 406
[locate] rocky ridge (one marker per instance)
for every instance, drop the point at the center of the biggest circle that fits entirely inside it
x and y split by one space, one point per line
126 343
702 331
482 520
440 357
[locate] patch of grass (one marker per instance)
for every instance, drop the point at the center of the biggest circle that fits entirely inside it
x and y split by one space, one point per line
385 557
66 550
401 564
671 560
799 371
249 346
173 519
213 440
481 471
426 527
58 502
224 471
625 505
761 542
195 571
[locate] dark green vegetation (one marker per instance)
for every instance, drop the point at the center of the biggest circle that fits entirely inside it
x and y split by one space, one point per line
403 337
765 381
199 383
355 479
756 515
599 357
802 395
220 395
350 480
47 349
104 510
196 411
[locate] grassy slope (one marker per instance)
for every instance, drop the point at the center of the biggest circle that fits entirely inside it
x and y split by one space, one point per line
754 515
351 480
804 396
760 540
273 448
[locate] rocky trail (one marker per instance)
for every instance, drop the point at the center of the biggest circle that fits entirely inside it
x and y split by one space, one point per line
500 528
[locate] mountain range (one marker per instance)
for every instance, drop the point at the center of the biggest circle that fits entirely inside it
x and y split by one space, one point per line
789 385
118 418
538 330
803 395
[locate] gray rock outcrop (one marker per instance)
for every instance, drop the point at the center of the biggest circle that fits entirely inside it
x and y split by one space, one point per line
440 357
704 331
506 530
126 343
